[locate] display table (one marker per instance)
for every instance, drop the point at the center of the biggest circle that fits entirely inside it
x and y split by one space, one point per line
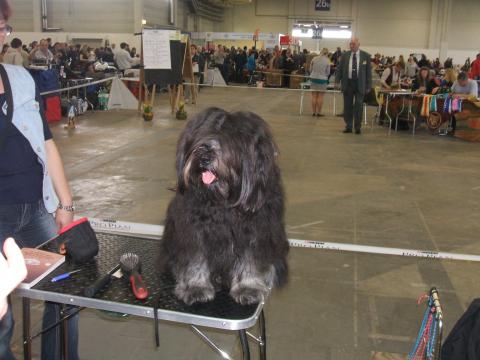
405 98
221 313
470 112
305 87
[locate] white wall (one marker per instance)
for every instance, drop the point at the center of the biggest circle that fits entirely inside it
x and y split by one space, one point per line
390 27
244 18
156 12
464 30
115 20
394 23
105 16
91 15
22 15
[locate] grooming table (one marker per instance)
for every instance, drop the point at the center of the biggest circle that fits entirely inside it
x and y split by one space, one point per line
222 313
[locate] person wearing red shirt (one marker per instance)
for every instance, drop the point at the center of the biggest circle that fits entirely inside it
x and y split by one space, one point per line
475 69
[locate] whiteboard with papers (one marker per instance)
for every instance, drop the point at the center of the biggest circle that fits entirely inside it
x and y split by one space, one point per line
156 49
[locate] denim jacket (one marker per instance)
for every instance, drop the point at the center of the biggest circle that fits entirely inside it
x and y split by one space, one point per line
27 119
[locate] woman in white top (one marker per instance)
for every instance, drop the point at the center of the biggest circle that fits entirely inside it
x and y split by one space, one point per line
411 68
319 71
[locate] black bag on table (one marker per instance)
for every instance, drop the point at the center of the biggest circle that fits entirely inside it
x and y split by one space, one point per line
78 241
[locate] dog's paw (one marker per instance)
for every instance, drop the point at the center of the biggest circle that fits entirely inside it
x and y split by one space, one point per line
247 295
194 294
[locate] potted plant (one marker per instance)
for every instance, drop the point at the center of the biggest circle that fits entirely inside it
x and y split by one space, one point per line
147 112
181 113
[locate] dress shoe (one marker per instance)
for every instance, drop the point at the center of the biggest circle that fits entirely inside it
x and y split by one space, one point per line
347 131
358 131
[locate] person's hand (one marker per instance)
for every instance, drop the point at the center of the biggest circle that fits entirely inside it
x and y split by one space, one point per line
12 272
63 218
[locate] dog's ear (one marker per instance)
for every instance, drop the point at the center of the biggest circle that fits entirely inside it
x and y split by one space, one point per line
257 166
180 160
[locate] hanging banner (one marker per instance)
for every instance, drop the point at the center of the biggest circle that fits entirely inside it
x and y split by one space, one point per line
323 5
285 40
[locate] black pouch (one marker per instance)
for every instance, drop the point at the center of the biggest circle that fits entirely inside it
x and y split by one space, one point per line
78 241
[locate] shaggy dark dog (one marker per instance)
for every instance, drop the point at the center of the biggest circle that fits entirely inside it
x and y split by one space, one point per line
225 226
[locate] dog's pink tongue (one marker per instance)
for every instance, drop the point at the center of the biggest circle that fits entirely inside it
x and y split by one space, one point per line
208 177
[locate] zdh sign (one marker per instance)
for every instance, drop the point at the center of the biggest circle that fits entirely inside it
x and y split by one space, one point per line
323 5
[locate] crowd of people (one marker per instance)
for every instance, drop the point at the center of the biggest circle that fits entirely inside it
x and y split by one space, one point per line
239 64
236 64
249 65
70 57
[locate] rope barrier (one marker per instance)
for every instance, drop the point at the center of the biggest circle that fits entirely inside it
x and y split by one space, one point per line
157 231
260 88
332 91
79 86
434 255
282 74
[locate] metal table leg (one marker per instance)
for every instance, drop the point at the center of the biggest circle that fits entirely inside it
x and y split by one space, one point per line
334 105
64 332
263 337
365 114
387 114
410 113
244 342
399 113
214 346
27 342
301 101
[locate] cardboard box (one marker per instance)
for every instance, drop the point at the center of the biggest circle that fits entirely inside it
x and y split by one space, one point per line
274 78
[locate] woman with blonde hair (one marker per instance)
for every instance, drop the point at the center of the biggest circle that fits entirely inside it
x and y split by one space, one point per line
449 78
319 72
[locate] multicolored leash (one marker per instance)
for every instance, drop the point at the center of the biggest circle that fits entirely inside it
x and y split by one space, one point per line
429 336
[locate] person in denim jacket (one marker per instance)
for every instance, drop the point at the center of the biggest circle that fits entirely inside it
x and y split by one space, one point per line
35 199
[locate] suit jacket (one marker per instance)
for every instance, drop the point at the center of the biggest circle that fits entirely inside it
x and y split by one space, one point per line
364 72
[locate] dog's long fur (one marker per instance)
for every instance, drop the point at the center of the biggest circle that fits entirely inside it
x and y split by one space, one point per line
228 234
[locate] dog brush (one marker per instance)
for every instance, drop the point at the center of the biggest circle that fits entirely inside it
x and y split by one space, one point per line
130 264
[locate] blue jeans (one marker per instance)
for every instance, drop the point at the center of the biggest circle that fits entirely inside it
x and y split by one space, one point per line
31 225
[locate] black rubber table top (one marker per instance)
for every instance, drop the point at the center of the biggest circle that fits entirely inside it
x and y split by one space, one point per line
160 286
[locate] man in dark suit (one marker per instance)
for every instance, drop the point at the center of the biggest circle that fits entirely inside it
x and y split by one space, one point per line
354 73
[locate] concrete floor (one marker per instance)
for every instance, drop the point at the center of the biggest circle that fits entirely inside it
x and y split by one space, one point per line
419 192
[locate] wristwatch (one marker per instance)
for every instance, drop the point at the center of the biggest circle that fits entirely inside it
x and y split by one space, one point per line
70 208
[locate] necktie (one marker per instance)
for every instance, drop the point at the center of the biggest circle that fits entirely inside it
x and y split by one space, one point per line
354 66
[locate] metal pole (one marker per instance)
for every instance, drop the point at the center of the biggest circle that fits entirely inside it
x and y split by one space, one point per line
263 344
27 344
64 332
244 342
214 346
